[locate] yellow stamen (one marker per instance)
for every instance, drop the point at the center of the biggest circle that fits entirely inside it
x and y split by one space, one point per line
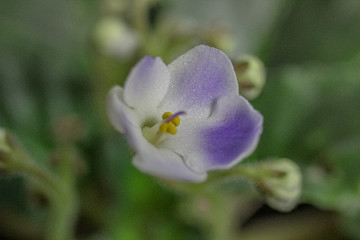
161 130
163 127
166 115
171 128
176 121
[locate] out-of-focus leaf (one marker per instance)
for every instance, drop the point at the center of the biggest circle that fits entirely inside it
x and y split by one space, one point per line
351 225
311 116
13 193
308 108
317 30
42 46
41 67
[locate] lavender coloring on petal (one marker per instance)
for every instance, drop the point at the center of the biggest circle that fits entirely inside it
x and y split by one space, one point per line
198 78
231 138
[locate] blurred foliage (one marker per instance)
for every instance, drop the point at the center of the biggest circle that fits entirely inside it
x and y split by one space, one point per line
50 68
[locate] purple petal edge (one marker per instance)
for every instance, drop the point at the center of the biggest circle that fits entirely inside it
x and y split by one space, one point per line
232 139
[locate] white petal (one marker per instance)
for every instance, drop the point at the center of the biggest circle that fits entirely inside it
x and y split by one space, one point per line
145 87
164 163
118 110
159 162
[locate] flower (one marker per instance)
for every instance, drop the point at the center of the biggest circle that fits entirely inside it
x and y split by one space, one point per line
186 118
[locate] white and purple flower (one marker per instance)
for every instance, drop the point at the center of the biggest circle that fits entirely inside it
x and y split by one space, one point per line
186 118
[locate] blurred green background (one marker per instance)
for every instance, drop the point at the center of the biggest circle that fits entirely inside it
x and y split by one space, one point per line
59 58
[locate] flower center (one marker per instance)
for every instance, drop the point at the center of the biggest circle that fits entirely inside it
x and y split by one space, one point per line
162 130
170 123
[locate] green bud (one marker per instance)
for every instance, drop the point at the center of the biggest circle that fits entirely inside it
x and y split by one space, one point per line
250 73
280 183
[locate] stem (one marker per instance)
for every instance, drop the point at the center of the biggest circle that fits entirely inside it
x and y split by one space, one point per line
65 207
59 190
247 171
63 215
46 181
222 219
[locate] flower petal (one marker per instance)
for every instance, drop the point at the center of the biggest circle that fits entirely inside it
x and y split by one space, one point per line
146 86
228 136
234 135
165 163
117 109
198 77
149 159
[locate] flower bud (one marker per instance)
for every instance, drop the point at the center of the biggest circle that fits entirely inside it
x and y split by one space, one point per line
114 38
280 183
250 73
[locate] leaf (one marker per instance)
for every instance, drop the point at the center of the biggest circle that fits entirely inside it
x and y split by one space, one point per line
13 192
324 31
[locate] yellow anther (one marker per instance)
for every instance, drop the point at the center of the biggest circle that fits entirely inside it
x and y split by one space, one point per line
166 115
163 127
176 121
171 128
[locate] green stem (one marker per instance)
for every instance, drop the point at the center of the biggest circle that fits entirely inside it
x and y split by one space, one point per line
46 181
65 208
59 190
248 171
221 219
63 215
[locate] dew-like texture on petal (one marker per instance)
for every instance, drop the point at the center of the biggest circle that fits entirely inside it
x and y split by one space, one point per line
228 136
158 162
198 77
146 86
